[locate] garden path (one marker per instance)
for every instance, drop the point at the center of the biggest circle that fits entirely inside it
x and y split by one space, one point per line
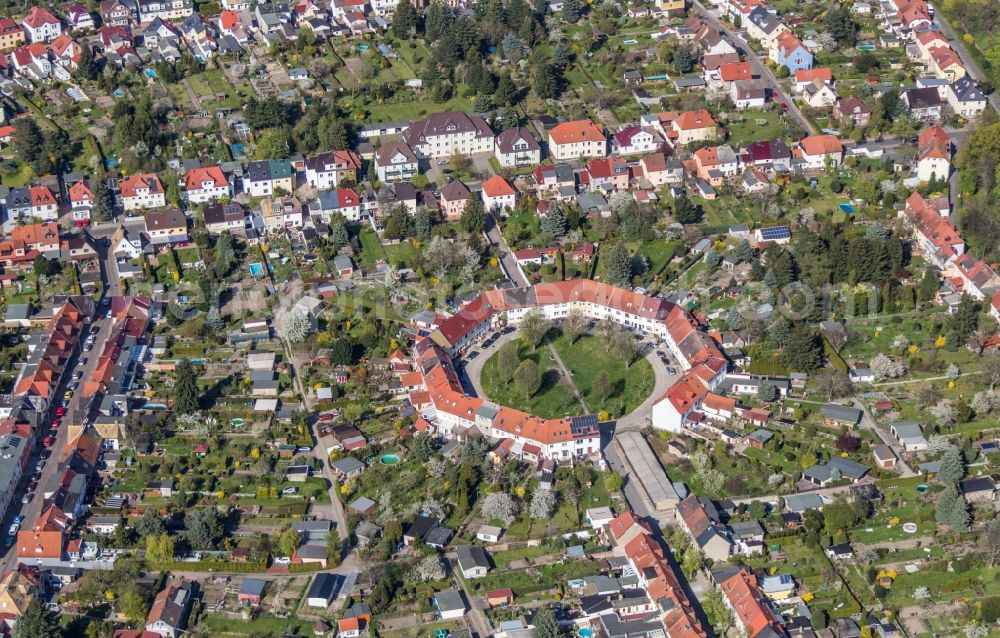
567 379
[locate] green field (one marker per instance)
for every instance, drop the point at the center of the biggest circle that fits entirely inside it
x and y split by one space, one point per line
553 399
587 357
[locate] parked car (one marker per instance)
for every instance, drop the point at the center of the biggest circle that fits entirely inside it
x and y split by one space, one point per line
19 519
48 441
26 499
60 411
13 529
290 490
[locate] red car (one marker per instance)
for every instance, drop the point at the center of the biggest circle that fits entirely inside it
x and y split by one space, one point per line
82 223
56 423
325 417
60 411
48 441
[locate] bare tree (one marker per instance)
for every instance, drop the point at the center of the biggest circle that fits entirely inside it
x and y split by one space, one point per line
574 325
991 368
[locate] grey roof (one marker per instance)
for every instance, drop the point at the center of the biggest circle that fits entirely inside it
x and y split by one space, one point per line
449 600
324 586
438 536
907 430
362 504
253 586
472 556
347 465
803 502
834 468
762 436
746 529
841 413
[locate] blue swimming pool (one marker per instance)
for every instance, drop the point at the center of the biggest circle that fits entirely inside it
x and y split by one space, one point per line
847 208
256 270
150 73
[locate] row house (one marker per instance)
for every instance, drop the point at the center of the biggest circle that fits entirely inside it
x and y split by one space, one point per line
142 191
608 174
169 10
716 164
444 134
271 16
266 177
282 212
789 52
661 170
329 169
43 238
938 240
229 217
770 155
31 202
748 605
635 140
206 184
396 162
577 139
118 13
517 147
341 201
727 73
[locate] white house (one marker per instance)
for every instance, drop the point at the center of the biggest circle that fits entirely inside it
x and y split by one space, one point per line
328 170
517 147
206 184
142 191
498 194
445 134
819 150
41 26
576 139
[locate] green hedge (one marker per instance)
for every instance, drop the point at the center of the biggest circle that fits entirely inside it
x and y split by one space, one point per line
249 567
834 356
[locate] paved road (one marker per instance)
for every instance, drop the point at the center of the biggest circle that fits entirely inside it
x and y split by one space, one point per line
109 265
868 423
514 273
758 66
970 63
825 492
641 417
34 508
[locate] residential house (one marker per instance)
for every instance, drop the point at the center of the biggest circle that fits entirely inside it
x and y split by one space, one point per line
228 217
933 154
751 611
142 191
819 95
909 435
282 212
660 170
885 458
977 490
166 226
966 98
44 205
923 104
342 201
633 140
820 151
577 139
789 52
694 126
853 111
11 34
517 147
327 170
608 174
693 516
41 26
770 155
206 184
805 77
445 134
836 469
79 18
498 195
835 415
454 196
118 13
748 94
395 161
267 177
450 604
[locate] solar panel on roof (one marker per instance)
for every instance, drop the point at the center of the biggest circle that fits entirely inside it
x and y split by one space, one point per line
776 232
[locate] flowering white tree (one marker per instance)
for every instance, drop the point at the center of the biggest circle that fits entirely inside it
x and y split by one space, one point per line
938 443
619 200
985 402
887 186
543 504
953 372
921 593
432 508
943 412
901 342
775 480
975 630
436 467
885 367
500 506
296 326
429 568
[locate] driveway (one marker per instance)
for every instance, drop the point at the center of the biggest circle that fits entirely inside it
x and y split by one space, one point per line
507 261
641 417
868 423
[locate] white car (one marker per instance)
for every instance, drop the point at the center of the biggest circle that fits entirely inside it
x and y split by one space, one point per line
290 490
282 560
13 529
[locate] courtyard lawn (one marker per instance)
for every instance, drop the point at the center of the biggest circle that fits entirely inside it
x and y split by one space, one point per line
553 399
585 358
750 126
